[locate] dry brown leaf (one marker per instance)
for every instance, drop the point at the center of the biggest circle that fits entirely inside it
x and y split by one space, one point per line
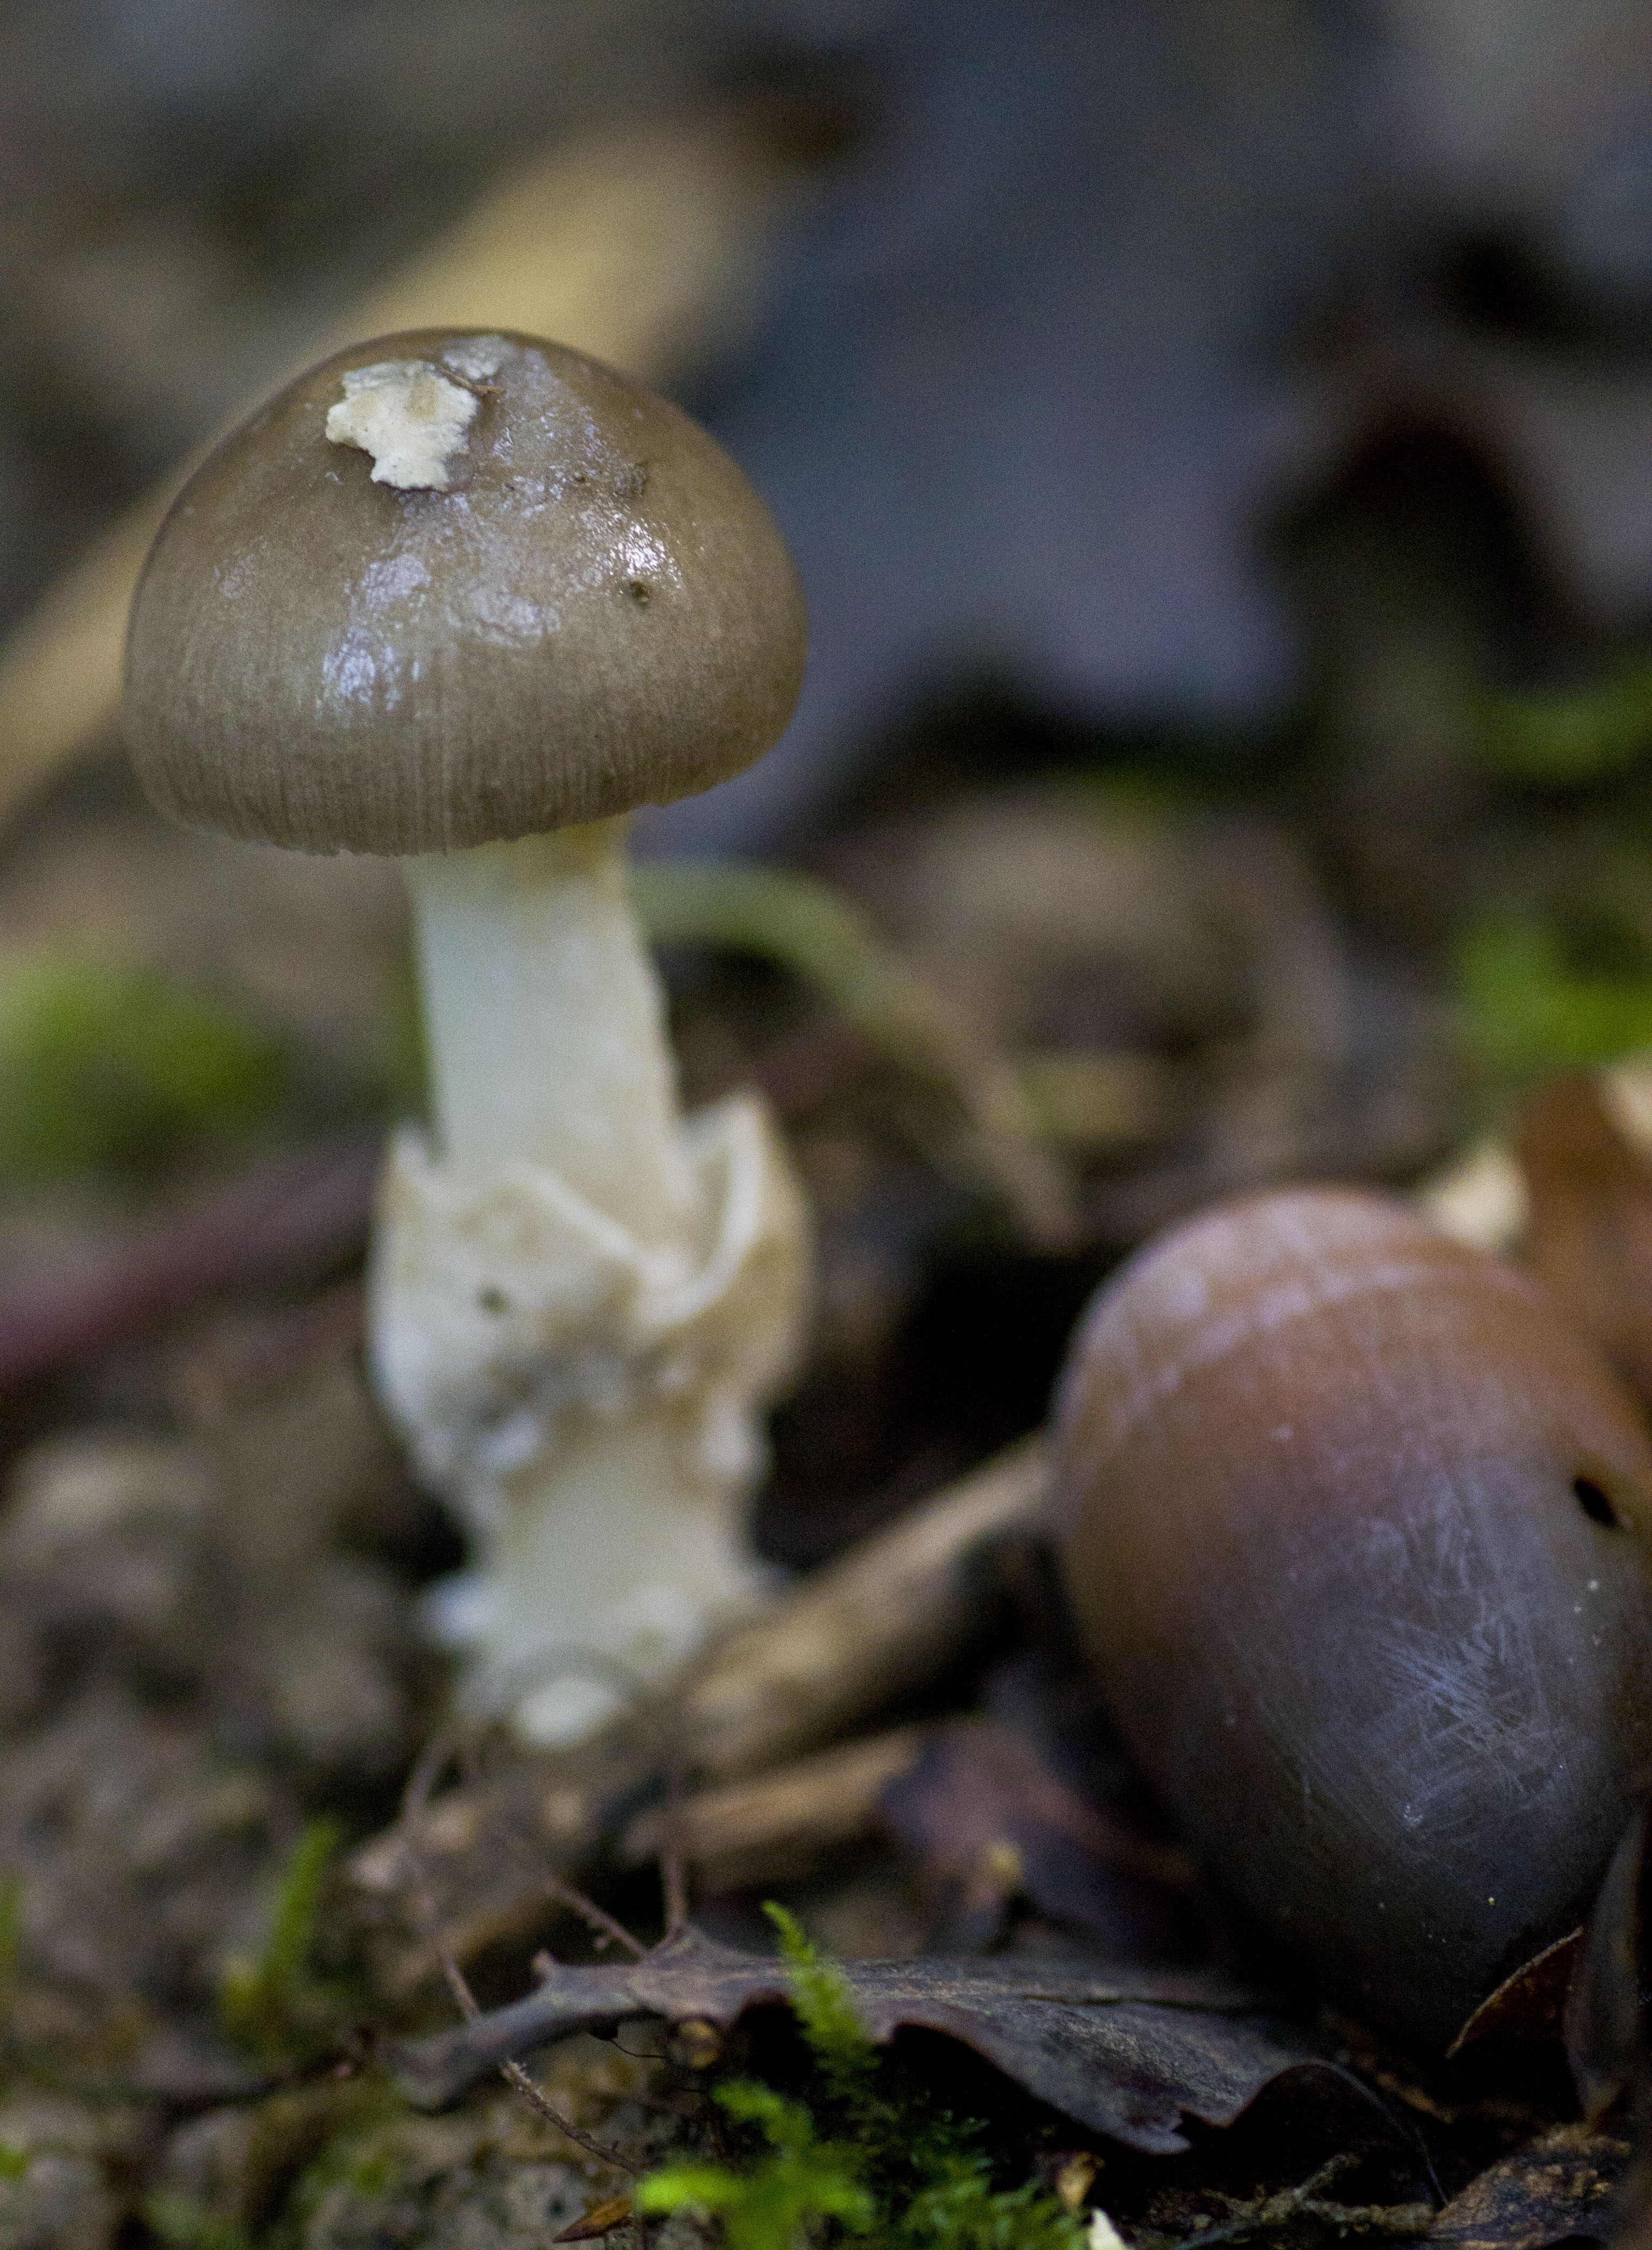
1603 2033
600 2219
1529 2004
1589 1232
1127 2053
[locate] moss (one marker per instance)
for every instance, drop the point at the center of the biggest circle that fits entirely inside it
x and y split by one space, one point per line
870 2157
185 2225
272 2003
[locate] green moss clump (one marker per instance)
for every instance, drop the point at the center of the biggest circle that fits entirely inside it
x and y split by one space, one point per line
766 2206
272 2003
871 2159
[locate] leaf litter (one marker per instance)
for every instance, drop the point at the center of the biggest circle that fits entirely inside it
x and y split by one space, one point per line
1073 1950
1127 2055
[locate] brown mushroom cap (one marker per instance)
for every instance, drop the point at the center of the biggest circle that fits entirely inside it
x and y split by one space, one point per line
597 612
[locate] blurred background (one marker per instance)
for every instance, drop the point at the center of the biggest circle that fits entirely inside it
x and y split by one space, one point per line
1065 313
1216 438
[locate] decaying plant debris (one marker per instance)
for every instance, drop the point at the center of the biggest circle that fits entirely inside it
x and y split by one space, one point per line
271 1923
223 1945
1128 2058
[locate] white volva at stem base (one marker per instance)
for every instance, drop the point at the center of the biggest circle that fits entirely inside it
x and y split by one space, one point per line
580 1302
605 1565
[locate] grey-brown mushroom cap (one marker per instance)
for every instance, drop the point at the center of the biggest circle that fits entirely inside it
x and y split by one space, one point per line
598 613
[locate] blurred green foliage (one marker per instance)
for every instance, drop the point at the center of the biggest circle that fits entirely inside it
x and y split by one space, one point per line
1572 737
1529 1007
186 2225
118 1069
803 2179
272 2003
890 2167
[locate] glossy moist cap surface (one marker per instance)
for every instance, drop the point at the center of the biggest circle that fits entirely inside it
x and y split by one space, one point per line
1356 1531
596 612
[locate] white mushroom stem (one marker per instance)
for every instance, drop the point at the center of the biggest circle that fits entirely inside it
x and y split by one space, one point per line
544 1024
581 1302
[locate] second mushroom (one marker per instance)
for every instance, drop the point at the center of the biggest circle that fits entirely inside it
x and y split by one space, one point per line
470 599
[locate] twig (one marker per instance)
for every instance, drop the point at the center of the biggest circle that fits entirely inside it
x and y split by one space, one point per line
596 1918
415 1801
1402 2220
282 1219
810 928
884 1619
673 1840
784 1823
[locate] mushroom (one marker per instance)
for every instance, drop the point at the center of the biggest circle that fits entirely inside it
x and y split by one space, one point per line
469 600
1354 1528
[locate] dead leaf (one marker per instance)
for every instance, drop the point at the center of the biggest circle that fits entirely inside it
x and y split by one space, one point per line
1632 2207
1558 2186
600 2219
1530 2005
1127 2053
1605 2044
1590 1225
987 1817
